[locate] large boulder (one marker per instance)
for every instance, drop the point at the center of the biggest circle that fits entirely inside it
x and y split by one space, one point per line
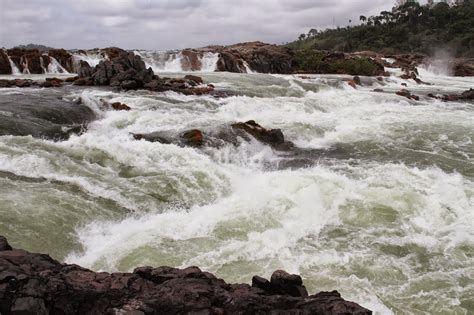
464 68
126 70
260 57
42 115
37 284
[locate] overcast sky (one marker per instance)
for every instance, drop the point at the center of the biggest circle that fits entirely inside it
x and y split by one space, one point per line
168 24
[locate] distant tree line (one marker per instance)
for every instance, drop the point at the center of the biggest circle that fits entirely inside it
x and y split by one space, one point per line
409 27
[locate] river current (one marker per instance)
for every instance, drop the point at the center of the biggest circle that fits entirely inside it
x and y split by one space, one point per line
387 219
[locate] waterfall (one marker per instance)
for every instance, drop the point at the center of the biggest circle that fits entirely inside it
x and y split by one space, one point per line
92 58
176 61
15 70
55 67
247 68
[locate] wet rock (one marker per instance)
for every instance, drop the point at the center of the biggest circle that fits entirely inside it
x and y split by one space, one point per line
38 284
83 82
407 94
42 116
129 84
273 137
120 106
464 68
193 137
194 78
5 67
153 137
468 95
4 244
352 84
356 80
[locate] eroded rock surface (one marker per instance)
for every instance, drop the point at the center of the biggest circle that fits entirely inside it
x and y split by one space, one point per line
37 284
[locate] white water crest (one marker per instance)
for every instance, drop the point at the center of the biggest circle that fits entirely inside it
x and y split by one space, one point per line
386 217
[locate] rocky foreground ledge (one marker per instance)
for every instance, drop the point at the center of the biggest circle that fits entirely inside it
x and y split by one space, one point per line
37 284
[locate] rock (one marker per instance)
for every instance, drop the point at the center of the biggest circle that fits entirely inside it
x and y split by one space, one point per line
260 57
193 137
191 60
4 244
6 83
273 137
378 90
262 283
38 284
120 106
380 79
194 78
83 82
356 80
42 116
129 85
404 84
407 94
23 82
5 67
71 79
468 95
352 83
152 137
285 283
464 68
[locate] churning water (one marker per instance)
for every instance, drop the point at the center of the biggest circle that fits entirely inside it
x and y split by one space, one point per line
388 220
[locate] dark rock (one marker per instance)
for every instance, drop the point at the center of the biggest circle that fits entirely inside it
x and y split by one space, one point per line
261 283
152 137
356 80
273 137
193 137
285 283
6 83
37 284
120 106
5 67
42 116
464 68
129 85
407 94
194 78
4 244
468 95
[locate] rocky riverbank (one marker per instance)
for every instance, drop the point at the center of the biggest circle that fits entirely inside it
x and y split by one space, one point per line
239 58
37 284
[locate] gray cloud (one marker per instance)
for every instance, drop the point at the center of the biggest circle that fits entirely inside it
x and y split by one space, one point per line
167 24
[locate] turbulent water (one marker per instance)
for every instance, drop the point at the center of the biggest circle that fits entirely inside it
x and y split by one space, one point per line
387 218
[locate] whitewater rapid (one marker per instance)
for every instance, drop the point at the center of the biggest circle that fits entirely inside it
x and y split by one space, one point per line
388 220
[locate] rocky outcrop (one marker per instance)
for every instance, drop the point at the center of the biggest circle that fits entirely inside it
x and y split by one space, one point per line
5 67
464 68
464 96
325 62
260 57
37 284
42 116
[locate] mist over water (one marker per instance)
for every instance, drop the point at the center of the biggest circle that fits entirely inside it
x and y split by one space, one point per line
378 203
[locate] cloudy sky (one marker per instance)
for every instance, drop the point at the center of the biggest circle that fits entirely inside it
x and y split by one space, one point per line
168 24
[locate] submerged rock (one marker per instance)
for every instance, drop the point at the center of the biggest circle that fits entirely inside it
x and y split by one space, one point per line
273 137
42 116
37 284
